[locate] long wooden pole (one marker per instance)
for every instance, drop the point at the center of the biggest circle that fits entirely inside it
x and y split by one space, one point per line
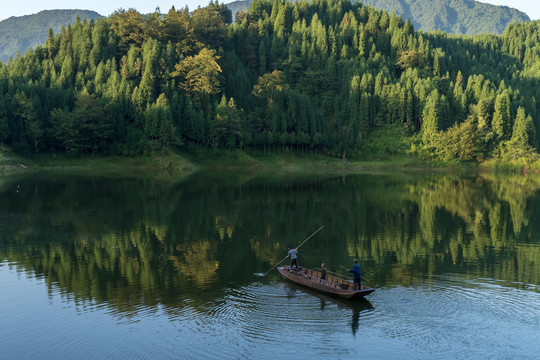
276 265
310 236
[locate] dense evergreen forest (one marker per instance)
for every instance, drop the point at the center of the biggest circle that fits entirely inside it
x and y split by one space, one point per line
18 33
320 76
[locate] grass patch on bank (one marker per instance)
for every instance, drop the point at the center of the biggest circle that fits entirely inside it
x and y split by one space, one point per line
396 146
298 162
181 164
387 141
166 163
10 163
515 166
259 161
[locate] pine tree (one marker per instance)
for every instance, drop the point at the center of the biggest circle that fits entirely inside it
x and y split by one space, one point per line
430 118
27 112
4 129
523 133
501 116
158 127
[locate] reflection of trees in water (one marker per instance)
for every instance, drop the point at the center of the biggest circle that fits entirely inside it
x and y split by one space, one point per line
492 217
108 240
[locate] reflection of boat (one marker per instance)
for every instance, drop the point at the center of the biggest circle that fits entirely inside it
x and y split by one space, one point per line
333 285
358 305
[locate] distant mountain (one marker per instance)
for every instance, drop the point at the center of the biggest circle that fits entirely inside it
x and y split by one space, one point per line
452 16
18 33
236 6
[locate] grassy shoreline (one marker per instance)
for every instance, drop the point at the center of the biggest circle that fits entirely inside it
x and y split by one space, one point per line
156 165
182 164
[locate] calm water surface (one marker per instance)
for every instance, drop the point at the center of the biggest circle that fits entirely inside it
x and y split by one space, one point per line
94 267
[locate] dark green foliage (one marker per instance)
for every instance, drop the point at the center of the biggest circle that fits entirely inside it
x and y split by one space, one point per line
227 128
320 76
85 129
461 141
158 128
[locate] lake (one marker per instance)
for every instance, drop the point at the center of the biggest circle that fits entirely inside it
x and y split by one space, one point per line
100 267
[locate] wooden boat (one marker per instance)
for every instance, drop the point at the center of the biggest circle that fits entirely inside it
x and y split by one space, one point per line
333 285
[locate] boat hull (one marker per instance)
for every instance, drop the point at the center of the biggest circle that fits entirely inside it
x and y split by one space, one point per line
332 285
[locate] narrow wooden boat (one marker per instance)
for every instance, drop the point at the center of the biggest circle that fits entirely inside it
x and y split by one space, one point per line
333 285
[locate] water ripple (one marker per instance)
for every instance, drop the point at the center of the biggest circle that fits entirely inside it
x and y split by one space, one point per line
441 315
446 313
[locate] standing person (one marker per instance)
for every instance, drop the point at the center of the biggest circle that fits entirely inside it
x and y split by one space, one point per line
356 275
293 254
323 272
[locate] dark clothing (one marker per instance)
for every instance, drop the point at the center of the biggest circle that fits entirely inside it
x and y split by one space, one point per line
323 274
294 263
356 276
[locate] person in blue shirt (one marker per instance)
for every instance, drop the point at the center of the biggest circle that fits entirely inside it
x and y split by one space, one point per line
356 275
293 254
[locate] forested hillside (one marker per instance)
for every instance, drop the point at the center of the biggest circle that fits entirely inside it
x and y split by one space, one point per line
18 33
318 76
237 6
453 16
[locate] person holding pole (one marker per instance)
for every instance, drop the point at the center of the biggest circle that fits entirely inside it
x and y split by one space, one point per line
293 253
323 273
303 242
356 275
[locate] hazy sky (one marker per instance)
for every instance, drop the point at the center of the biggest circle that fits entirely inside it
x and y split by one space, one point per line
529 7
106 7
